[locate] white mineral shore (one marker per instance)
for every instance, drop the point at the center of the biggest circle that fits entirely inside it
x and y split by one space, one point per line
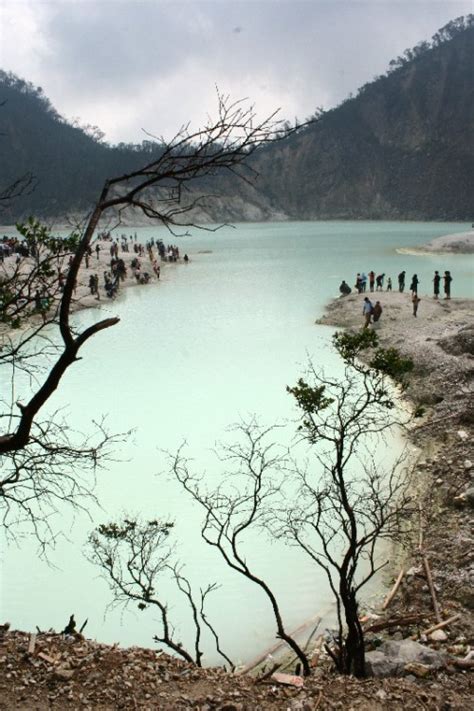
458 243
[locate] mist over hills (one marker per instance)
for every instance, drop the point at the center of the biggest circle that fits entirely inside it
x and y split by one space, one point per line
403 148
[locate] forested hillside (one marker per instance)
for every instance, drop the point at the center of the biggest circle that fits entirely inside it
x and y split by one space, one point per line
403 148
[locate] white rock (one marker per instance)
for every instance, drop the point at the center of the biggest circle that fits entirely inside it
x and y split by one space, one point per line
462 434
468 464
439 636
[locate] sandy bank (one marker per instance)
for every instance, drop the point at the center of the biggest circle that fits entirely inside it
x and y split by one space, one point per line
458 243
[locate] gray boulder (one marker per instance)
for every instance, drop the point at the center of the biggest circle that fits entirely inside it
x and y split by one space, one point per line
469 496
391 658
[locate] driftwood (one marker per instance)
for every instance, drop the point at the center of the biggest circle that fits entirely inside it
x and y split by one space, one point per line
267 674
276 647
314 659
289 680
32 643
440 625
431 587
393 591
83 626
397 622
462 663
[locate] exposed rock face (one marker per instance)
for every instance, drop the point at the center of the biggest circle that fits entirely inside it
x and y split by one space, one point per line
461 342
386 154
402 148
392 658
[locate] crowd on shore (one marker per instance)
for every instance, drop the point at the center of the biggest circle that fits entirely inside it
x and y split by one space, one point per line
375 283
107 264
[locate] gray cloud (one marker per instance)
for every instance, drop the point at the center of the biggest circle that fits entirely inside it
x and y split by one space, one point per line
127 65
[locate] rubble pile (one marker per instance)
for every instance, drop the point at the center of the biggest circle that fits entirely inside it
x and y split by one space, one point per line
62 672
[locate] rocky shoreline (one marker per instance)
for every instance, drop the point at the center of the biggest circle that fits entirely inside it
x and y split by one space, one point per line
70 672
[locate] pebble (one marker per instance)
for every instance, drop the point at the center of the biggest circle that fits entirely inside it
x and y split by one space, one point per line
439 636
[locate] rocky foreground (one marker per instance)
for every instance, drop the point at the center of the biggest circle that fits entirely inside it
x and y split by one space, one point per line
417 667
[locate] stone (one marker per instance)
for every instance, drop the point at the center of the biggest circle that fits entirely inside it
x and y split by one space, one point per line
469 496
63 674
462 434
439 636
467 464
417 669
466 597
392 657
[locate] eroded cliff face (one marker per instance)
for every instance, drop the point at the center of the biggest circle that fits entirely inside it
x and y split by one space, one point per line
403 148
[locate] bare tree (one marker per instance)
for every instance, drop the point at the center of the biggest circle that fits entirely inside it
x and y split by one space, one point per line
135 557
334 512
349 502
159 190
239 507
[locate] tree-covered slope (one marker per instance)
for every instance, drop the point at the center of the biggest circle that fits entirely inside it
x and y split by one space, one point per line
403 148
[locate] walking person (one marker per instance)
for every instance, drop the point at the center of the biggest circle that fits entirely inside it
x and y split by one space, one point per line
389 284
415 301
376 313
436 283
367 310
447 284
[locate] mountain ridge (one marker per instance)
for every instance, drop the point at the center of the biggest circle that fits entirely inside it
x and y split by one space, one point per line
403 148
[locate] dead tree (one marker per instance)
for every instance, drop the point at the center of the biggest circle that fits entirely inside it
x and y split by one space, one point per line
160 191
239 506
134 558
335 513
348 502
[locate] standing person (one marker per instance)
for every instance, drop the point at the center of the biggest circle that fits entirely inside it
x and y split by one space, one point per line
367 310
401 281
389 284
414 284
436 282
358 284
371 280
415 301
376 313
447 284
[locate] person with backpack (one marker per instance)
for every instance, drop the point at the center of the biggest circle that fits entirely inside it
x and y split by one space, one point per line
367 310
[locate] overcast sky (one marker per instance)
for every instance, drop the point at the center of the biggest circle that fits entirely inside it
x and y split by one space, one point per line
129 65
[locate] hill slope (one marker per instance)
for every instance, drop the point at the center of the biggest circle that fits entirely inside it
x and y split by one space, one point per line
402 149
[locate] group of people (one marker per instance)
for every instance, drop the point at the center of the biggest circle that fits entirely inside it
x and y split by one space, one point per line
375 283
447 279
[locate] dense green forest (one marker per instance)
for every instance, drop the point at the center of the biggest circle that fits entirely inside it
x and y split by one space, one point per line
403 148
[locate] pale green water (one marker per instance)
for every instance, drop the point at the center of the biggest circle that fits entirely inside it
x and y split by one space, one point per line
217 339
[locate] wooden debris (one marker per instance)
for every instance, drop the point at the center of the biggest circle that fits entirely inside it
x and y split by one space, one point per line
267 674
276 647
398 622
288 679
431 587
46 658
32 643
314 659
442 624
393 591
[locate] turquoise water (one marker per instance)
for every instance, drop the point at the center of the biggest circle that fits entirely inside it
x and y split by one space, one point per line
217 339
